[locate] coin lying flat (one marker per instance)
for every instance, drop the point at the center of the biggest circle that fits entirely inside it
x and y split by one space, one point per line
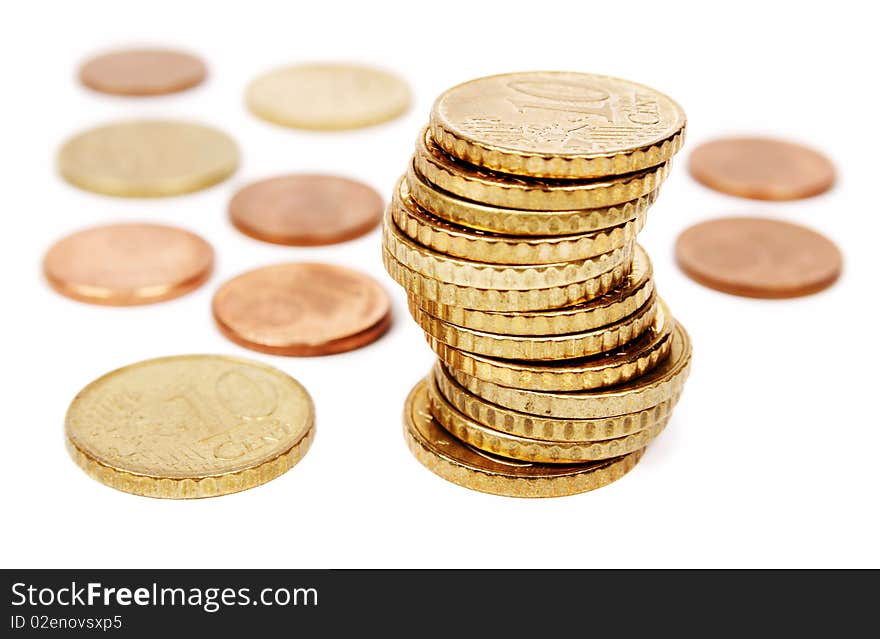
462 464
526 449
758 257
548 428
302 309
761 168
506 221
537 347
558 124
611 307
128 264
190 426
306 210
629 361
328 96
658 385
148 158
458 241
142 72
472 182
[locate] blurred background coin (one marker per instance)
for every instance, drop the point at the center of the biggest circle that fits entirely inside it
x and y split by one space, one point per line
306 210
761 168
128 264
141 72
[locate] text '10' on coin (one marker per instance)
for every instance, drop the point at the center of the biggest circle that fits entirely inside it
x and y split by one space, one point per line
128 264
190 426
761 168
558 124
328 96
306 210
148 158
141 72
758 257
302 309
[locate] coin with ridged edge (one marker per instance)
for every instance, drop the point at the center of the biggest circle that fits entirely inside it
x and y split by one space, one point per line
452 459
517 277
533 450
190 426
611 307
444 293
629 361
457 241
543 194
663 382
547 428
558 124
537 347
519 222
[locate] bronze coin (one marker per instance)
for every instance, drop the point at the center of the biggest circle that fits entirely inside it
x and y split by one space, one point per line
761 168
142 72
757 257
302 309
128 264
306 210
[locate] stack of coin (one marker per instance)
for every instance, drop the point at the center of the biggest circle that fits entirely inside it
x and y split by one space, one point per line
513 232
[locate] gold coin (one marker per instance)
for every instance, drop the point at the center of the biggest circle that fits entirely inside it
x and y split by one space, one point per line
533 450
148 158
190 426
477 215
537 347
458 241
660 384
608 369
328 96
516 277
461 464
548 428
475 183
558 124
428 288
636 288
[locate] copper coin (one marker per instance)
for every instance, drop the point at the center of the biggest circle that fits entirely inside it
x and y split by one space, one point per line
306 210
128 264
302 309
761 168
757 257
142 72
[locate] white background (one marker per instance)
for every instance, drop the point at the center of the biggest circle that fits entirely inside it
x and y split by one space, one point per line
770 457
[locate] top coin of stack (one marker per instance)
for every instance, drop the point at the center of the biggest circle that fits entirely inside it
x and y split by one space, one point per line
513 233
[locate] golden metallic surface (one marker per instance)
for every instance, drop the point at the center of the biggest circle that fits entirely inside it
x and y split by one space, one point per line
533 450
450 458
558 124
547 428
328 96
538 194
148 158
624 300
505 221
458 241
516 277
608 369
658 385
190 426
429 288
537 347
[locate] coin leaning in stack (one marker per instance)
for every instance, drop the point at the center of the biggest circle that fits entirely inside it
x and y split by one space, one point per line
513 232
